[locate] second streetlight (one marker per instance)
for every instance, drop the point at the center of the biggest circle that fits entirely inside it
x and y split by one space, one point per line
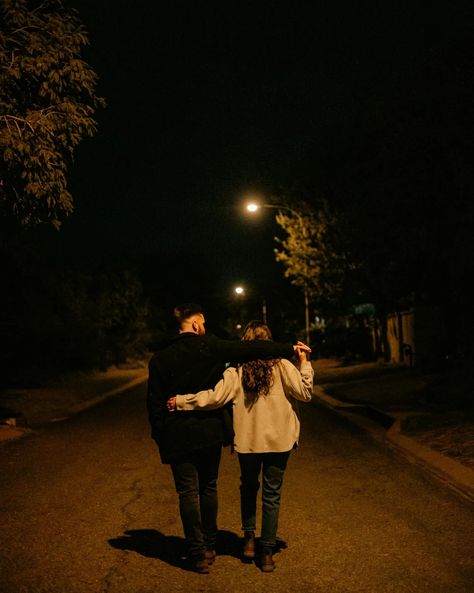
240 291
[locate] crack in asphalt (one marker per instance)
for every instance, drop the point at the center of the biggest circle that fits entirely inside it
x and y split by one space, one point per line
137 492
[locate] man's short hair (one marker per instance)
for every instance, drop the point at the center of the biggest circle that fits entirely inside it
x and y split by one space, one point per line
185 311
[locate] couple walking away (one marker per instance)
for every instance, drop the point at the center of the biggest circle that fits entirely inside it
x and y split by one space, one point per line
191 402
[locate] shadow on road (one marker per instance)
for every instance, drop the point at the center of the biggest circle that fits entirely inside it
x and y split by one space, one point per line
152 544
171 548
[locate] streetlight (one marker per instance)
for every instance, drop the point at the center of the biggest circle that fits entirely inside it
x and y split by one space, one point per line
240 291
254 207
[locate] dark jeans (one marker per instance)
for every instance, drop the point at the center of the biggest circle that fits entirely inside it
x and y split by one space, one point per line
195 478
273 467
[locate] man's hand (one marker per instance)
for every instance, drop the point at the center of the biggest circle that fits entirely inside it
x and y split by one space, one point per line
171 404
301 346
302 351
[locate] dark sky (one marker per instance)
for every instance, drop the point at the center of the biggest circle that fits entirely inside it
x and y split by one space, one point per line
208 101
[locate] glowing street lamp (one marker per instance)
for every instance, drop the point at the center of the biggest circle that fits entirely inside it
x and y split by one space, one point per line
252 207
240 291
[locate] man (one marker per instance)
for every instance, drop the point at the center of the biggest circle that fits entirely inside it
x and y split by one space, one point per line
191 443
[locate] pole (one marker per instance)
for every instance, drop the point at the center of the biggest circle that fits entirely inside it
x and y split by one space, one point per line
264 311
306 314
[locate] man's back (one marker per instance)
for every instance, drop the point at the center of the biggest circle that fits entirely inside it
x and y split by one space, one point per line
186 364
190 362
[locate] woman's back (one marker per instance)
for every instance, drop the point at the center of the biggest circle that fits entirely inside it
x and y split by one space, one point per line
268 422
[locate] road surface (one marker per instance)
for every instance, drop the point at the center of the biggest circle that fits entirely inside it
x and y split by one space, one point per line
86 507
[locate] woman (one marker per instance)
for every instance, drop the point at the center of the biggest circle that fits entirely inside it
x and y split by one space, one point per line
266 426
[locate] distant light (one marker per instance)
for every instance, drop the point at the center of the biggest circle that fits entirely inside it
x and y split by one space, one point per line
238 326
239 289
252 207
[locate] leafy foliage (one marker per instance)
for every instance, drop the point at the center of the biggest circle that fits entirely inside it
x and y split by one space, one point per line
47 103
107 314
308 251
67 316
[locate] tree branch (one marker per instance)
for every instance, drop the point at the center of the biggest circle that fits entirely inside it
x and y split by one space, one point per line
16 120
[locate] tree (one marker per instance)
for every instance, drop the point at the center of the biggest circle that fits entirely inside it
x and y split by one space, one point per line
308 251
104 314
67 311
47 103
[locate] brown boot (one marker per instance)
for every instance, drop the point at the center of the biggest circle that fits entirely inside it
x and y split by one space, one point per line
248 551
200 565
266 561
210 556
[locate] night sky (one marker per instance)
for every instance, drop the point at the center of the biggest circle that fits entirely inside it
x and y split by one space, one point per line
206 102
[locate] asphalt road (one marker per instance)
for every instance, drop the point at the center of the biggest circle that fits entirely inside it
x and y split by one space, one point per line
86 506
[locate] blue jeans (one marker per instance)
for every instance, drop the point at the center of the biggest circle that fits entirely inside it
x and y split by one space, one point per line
273 467
195 478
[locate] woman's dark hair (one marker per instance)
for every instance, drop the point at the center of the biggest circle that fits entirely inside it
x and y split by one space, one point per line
257 375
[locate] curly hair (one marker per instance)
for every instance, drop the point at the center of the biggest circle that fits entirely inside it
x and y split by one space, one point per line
257 375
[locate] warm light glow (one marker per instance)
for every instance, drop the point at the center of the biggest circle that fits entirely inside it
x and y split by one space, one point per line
252 207
239 289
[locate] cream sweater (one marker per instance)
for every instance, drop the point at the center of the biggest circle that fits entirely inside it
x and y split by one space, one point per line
271 423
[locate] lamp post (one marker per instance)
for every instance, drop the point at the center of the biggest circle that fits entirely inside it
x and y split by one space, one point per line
264 311
253 207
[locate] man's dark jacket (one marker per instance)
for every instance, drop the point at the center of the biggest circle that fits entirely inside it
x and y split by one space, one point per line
187 364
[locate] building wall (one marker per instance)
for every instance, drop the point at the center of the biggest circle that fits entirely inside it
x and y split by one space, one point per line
401 337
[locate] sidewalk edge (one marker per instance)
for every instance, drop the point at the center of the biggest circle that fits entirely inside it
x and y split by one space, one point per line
457 475
378 416
450 472
90 403
8 433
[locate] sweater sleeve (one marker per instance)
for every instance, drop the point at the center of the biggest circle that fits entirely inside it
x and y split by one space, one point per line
209 399
297 383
